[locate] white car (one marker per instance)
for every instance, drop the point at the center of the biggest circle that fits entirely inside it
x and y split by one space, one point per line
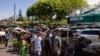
92 34
65 33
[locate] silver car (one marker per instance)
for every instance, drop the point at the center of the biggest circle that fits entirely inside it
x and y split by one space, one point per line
92 34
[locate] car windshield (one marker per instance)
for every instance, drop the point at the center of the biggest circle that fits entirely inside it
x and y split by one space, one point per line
64 34
96 27
91 32
78 28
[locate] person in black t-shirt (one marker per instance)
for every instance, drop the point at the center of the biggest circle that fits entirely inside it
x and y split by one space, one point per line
81 48
47 44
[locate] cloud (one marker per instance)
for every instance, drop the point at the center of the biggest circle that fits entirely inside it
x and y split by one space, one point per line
4 15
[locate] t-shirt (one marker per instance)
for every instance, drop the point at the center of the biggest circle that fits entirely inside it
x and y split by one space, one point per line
6 36
79 51
37 44
47 43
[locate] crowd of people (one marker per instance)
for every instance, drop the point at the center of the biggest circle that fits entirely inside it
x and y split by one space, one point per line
47 42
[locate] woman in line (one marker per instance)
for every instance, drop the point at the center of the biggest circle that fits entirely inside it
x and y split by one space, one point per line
23 46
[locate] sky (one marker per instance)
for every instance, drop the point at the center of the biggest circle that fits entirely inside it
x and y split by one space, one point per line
92 2
7 6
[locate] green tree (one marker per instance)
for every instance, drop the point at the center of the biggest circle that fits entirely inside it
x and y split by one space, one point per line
20 17
45 9
85 5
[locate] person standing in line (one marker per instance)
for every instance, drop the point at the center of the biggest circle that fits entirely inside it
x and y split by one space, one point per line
37 44
14 42
91 48
81 48
70 47
42 34
29 42
6 38
18 35
31 52
47 44
51 41
57 43
64 48
23 46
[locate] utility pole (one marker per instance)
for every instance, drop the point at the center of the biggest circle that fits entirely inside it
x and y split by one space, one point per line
14 13
68 21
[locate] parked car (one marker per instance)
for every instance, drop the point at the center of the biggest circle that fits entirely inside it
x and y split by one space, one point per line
78 27
93 27
92 34
65 33
73 29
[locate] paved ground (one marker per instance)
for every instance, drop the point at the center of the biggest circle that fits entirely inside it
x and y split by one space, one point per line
7 51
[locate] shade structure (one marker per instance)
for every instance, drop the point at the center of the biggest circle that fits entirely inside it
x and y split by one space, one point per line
91 17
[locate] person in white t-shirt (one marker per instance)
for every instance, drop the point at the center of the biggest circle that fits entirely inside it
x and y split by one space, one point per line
37 44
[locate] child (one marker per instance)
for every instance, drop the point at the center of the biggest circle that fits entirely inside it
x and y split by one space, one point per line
15 42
